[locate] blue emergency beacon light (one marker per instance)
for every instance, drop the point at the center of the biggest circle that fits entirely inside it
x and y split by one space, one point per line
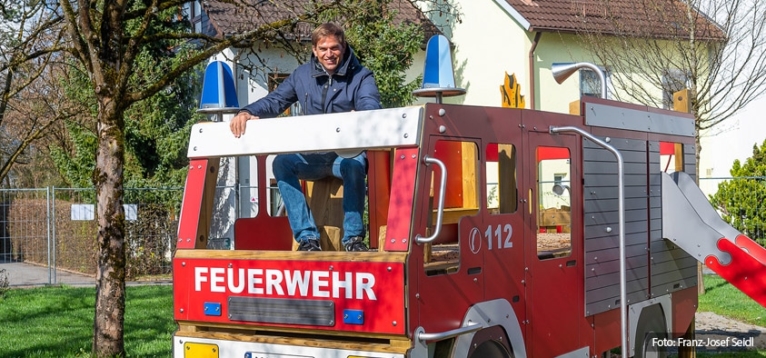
438 76
219 96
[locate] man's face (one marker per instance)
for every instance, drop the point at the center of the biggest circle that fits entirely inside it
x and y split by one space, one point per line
329 51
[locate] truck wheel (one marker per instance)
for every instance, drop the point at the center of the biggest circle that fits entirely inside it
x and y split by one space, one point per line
490 342
491 349
650 329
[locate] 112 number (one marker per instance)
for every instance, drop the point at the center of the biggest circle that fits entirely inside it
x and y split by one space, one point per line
499 231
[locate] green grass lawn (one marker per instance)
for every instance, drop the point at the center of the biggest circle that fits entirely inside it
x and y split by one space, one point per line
58 321
724 299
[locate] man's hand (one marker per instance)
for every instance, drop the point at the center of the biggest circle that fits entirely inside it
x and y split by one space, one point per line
239 122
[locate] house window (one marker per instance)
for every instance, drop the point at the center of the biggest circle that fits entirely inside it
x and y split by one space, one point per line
590 84
194 11
673 80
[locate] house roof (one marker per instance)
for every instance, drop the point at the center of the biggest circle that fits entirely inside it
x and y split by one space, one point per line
641 18
227 18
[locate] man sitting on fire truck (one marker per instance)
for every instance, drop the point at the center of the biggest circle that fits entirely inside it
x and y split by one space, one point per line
333 81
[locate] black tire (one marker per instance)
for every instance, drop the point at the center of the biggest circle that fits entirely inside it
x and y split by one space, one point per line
651 327
490 342
491 349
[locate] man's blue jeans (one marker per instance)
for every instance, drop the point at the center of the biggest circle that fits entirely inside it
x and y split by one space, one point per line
289 168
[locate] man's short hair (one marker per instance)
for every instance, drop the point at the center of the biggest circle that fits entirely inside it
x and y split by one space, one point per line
328 29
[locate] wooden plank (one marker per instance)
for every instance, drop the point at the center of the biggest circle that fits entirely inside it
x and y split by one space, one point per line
453 215
325 198
381 238
682 101
449 266
507 186
370 256
574 107
294 337
208 198
469 166
379 188
679 156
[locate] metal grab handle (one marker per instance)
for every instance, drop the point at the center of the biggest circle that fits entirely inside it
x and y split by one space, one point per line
440 208
621 223
423 336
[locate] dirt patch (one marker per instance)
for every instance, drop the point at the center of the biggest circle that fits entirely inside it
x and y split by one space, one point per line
721 334
553 241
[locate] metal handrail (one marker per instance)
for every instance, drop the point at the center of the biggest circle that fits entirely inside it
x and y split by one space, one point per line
621 222
449 334
440 208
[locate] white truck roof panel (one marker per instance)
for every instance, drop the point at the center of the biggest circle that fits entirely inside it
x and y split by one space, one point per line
343 132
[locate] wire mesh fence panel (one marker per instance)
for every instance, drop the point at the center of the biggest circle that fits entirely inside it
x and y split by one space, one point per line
49 235
24 232
151 225
74 231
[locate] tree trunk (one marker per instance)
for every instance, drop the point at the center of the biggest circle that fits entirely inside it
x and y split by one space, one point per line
110 276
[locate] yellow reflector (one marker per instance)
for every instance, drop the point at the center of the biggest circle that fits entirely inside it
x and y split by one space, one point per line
200 350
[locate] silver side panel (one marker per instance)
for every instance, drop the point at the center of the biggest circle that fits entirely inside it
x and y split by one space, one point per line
634 314
668 267
487 314
672 268
342 132
600 115
492 313
602 259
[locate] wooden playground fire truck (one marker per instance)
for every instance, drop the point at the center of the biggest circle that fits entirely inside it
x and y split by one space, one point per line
495 232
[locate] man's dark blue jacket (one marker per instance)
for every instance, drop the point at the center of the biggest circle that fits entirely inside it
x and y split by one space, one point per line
352 87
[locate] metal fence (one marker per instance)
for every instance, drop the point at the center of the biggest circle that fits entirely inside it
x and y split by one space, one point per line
48 236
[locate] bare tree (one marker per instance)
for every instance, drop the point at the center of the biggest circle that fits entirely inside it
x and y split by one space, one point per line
30 36
107 38
34 120
714 48
653 48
